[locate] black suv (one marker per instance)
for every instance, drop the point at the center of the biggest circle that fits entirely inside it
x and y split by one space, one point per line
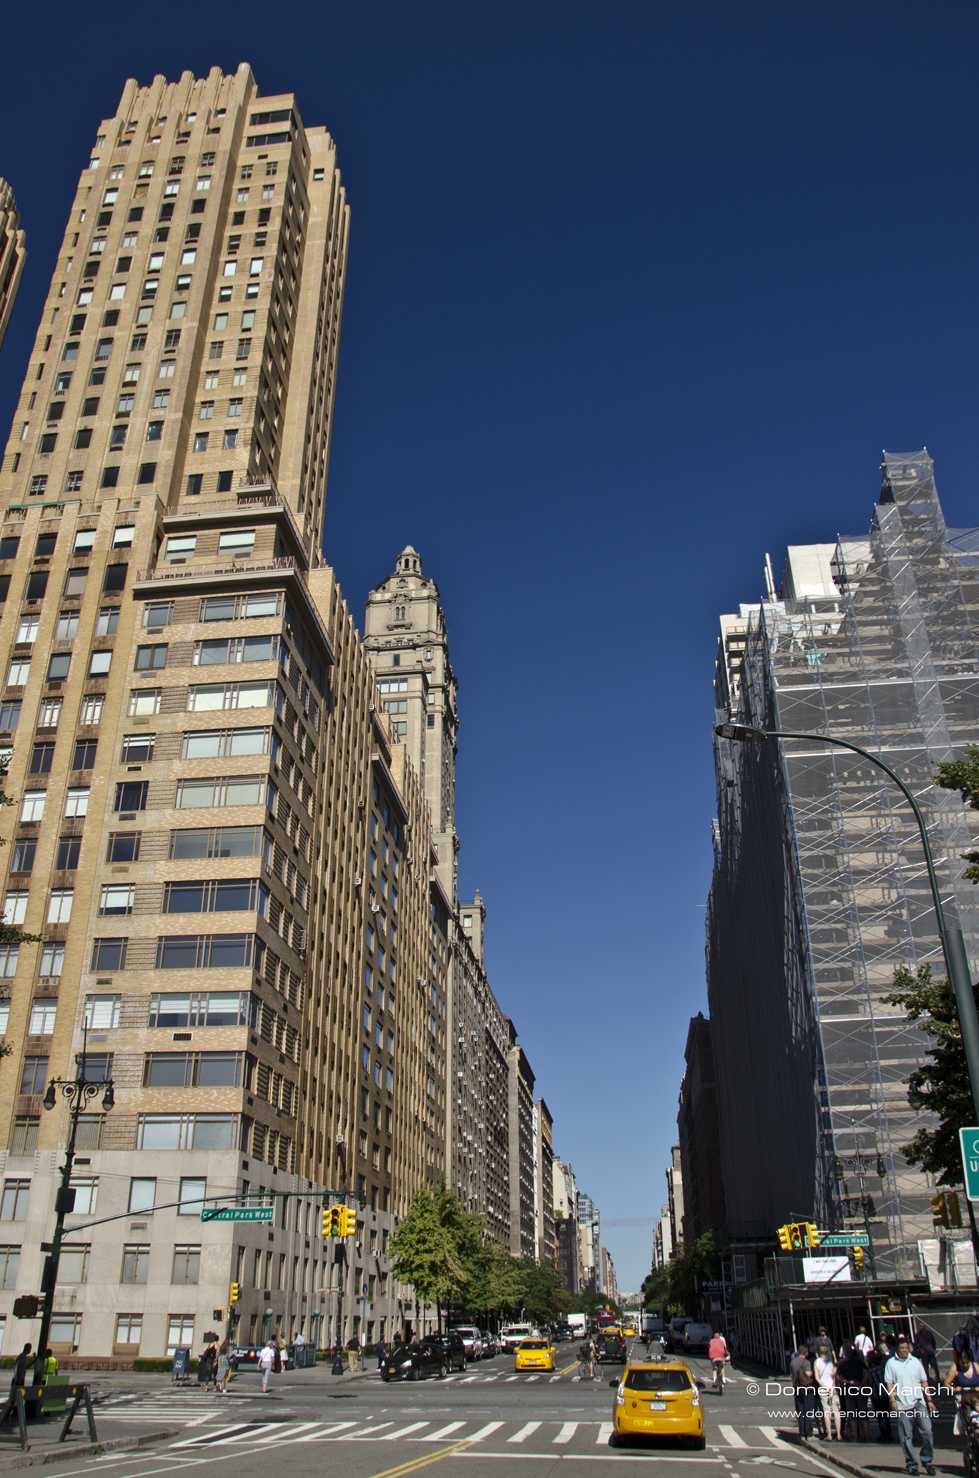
434 1356
610 1349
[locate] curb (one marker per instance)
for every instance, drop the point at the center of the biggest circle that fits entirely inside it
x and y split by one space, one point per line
827 1451
63 1452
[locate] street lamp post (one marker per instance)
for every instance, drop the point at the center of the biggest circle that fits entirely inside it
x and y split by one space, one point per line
953 942
78 1093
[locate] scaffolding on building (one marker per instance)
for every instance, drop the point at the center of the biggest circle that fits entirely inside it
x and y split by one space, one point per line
820 889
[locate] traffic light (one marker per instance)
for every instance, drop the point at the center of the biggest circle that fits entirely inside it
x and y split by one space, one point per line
795 1237
858 1259
939 1210
234 1294
330 1221
348 1222
954 1210
812 1232
785 1238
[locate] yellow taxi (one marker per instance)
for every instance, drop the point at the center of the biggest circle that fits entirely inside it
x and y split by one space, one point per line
629 1330
658 1398
534 1354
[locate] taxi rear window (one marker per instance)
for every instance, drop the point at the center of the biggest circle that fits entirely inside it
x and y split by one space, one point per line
533 1344
657 1380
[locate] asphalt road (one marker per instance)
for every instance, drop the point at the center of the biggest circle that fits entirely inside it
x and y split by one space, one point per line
486 1416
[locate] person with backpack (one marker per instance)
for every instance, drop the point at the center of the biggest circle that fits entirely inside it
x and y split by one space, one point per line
587 1357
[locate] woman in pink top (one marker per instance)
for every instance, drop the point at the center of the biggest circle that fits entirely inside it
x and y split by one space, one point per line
716 1354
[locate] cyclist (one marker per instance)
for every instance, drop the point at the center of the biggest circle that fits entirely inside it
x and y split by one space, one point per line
716 1354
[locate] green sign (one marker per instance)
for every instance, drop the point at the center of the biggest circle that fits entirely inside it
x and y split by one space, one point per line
969 1144
844 1239
239 1213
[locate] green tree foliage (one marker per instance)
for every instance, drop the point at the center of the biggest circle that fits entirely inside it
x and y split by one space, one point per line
673 1288
941 1084
443 1253
963 775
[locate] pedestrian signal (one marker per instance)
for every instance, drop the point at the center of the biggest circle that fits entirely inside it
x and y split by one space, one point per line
27 1306
234 1294
939 1210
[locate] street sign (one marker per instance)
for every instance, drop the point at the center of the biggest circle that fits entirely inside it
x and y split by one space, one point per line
844 1239
239 1213
969 1145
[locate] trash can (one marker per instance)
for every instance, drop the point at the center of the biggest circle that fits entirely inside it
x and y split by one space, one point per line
181 1363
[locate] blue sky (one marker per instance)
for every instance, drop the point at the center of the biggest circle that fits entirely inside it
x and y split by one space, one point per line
637 292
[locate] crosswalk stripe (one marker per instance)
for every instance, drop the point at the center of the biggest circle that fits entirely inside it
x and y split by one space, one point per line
443 1432
525 1431
770 1435
486 1431
555 1377
330 1430
731 1437
604 1433
367 1431
403 1431
251 1433
511 1377
567 1432
210 1437
292 1432
533 1377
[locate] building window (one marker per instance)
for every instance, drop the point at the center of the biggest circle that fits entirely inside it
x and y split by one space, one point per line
117 898
186 1264
76 802
135 1258
151 658
86 1190
15 905
52 961
33 1075
66 1332
59 908
100 663
67 853
142 1193
43 1011
101 1012
84 756
23 1140
180 1333
123 846
131 795
192 1193
129 1332
109 955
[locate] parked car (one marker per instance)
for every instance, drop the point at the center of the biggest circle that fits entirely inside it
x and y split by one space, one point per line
434 1356
489 1345
471 1338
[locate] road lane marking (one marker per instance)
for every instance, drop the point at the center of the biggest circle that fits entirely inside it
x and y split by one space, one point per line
525 1432
209 1437
366 1431
443 1432
567 1432
403 1431
486 1431
421 1462
770 1435
604 1433
731 1437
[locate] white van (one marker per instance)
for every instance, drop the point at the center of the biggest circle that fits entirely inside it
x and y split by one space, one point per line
697 1337
512 1334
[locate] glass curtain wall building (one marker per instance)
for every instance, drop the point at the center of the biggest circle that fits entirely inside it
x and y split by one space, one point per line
820 890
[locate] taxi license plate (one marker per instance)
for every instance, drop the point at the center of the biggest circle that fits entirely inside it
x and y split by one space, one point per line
657 1405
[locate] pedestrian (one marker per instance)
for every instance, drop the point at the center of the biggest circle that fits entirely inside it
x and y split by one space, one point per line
962 1340
925 1348
879 1401
380 1350
276 1357
851 1375
822 1345
206 1366
224 1366
825 1373
50 1365
717 1354
20 1367
266 1358
863 1342
353 1354
906 1386
963 1381
587 1357
803 1385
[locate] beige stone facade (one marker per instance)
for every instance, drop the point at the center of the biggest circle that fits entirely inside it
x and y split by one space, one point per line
13 255
406 635
241 907
520 1098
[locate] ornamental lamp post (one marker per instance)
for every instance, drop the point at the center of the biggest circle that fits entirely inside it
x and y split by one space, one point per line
78 1093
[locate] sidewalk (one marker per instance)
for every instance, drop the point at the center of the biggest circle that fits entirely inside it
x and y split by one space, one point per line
44 1447
875 1459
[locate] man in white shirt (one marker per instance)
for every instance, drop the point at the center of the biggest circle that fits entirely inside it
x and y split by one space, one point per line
906 1381
863 1342
266 1357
